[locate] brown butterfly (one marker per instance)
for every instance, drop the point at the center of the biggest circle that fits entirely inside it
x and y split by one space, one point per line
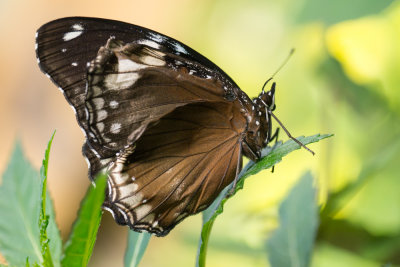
168 126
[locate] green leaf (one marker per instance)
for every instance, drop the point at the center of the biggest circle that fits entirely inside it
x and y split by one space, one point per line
79 246
21 197
137 244
280 151
19 209
47 219
271 156
292 243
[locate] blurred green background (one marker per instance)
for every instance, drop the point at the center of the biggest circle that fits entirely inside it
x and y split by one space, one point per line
343 79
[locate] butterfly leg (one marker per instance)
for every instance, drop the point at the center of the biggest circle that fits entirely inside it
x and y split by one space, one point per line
256 156
274 136
238 168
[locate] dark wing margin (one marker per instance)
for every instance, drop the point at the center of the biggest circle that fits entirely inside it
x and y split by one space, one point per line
177 168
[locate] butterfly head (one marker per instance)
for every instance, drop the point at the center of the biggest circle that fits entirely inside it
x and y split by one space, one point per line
259 124
268 98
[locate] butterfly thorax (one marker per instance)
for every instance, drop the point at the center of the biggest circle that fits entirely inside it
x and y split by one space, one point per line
259 125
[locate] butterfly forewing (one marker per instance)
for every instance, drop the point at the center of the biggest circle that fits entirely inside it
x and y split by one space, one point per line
163 120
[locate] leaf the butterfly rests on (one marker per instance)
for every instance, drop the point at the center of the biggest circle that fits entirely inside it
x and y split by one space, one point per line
167 124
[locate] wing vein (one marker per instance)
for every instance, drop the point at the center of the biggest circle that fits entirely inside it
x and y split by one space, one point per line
184 178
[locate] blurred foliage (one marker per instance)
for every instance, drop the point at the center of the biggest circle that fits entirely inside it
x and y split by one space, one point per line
29 235
22 230
137 244
360 75
293 242
331 12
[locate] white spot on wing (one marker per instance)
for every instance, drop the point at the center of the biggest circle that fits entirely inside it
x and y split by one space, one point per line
98 102
120 178
133 200
77 27
96 90
105 161
149 60
100 126
156 37
77 30
64 50
71 35
179 48
149 43
125 65
126 77
113 104
120 81
101 115
115 128
74 64
142 211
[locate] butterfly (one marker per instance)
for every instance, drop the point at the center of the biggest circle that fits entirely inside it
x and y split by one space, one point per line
167 125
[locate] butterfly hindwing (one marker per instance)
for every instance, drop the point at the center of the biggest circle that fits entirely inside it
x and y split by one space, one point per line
177 169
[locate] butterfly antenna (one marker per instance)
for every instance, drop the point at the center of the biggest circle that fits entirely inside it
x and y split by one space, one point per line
289 135
280 67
